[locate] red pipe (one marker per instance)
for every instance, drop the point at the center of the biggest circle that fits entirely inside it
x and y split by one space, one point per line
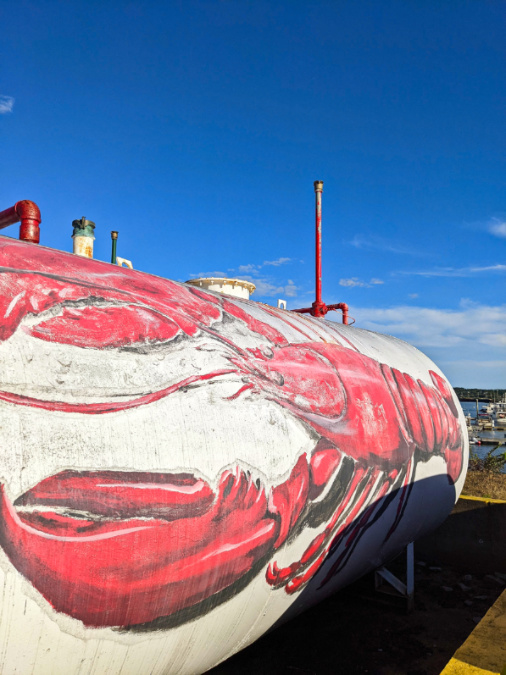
319 308
27 213
326 308
318 305
343 307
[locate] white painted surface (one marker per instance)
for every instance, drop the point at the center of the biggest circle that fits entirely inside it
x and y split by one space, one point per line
199 429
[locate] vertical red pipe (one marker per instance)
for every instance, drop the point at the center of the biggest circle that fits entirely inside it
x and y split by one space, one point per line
318 306
344 309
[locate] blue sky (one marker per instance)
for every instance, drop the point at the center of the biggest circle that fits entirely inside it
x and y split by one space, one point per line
197 129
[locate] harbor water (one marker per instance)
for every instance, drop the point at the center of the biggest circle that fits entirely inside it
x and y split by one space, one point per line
469 408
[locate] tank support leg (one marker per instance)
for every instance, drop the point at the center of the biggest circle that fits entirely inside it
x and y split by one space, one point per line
382 576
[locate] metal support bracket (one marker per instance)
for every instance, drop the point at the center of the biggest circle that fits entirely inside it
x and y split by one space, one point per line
383 577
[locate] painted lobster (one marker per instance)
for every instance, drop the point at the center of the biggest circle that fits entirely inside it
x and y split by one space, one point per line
116 547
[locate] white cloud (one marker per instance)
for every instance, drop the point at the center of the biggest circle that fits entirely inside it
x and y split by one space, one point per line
266 288
252 268
350 283
245 269
373 242
494 339
266 284
206 275
278 262
497 228
488 268
413 295
356 282
291 289
455 271
6 104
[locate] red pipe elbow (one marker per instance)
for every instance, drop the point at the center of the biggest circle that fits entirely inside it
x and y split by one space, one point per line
344 309
27 213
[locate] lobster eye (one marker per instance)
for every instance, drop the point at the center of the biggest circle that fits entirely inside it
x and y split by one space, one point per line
277 378
97 327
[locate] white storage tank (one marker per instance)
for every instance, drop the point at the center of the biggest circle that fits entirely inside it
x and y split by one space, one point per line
181 470
238 288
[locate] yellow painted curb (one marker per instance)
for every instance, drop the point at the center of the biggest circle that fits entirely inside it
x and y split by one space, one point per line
456 667
484 651
483 499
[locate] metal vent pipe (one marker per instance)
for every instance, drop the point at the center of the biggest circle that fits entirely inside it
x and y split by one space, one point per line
83 237
319 308
318 305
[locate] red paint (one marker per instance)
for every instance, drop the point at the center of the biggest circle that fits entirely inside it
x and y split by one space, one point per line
289 498
115 494
146 545
323 464
409 397
341 393
318 547
28 214
103 327
344 527
131 571
35 291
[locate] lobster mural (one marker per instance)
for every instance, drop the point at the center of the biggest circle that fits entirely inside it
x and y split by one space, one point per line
156 544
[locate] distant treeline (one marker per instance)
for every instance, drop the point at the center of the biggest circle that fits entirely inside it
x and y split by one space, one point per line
480 394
